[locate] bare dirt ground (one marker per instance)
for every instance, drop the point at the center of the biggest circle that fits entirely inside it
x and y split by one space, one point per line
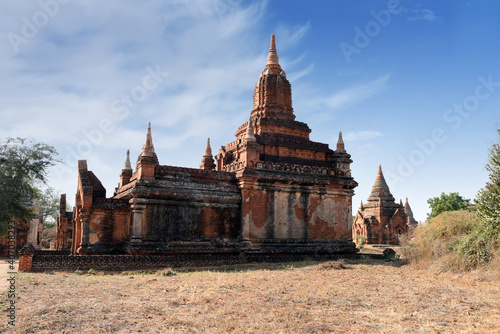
4 270
363 296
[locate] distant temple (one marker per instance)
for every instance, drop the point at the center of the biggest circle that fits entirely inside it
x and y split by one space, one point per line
381 220
271 191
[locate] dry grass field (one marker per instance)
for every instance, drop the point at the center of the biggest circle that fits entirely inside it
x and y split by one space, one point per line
363 296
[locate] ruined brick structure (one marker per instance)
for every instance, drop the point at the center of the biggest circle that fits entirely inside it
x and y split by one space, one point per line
64 236
12 243
271 191
381 219
25 231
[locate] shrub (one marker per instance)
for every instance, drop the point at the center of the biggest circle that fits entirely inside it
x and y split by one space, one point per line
438 242
361 240
481 245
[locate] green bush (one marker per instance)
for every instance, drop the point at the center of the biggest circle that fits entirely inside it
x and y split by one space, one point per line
361 240
480 246
438 241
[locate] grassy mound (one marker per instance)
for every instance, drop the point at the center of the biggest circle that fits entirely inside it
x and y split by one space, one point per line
444 243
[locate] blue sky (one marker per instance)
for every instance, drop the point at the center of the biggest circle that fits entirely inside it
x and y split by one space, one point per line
413 85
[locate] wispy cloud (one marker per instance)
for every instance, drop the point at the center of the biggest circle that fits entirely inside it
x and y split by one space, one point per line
424 14
295 76
357 136
63 82
356 94
290 36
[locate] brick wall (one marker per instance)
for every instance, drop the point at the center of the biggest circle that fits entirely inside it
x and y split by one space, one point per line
25 262
43 262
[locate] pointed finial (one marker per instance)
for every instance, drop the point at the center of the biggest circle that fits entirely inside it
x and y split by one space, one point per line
127 161
380 175
361 206
250 136
148 149
208 149
272 66
208 160
272 58
340 144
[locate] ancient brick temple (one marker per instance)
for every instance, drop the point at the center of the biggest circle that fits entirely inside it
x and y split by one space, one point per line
270 191
64 237
381 219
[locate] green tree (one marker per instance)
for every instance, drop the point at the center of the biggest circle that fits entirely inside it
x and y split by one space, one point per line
447 202
488 198
480 245
22 163
48 206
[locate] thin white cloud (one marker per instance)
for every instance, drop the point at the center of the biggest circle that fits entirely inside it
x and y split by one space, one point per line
290 36
424 14
357 136
64 80
368 148
295 76
356 94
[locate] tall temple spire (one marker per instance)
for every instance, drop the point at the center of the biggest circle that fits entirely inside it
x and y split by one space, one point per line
127 161
409 213
208 149
250 135
148 149
340 144
380 189
208 160
126 173
272 96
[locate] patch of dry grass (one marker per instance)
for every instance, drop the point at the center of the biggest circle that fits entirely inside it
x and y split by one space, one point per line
340 264
368 297
436 244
